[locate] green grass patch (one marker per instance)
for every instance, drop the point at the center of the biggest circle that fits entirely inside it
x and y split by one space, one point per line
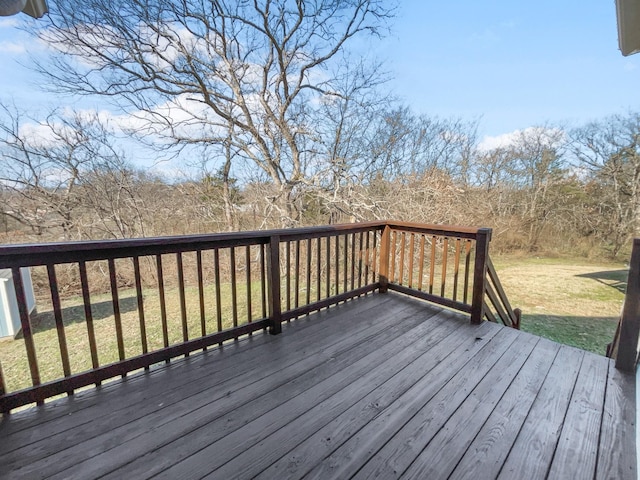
571 301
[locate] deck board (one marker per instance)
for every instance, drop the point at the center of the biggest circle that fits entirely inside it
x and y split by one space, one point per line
440 456
581 426
487 452
384 386
617 449
532 452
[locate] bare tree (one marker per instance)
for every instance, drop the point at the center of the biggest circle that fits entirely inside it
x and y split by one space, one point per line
608 154
246 73
43 166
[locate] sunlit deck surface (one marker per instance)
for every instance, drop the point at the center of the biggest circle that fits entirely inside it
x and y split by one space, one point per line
383 386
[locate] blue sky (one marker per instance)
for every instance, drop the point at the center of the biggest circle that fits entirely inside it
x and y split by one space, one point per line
512 64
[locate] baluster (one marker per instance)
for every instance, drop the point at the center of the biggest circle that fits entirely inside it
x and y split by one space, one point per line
116 308
57 314
445 252
421 263
234 287
203 318
88 315
163 304
141 320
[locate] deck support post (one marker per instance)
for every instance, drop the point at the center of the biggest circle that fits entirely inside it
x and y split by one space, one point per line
483 238
627 355
384 259
273 275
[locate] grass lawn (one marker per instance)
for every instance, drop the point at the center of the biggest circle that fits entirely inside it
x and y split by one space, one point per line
571 301
13 356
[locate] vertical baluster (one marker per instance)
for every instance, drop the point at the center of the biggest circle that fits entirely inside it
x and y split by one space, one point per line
183 300
328 256
403 236
456 269
88 315
367 254
116 308
203 317
57 315
353 261
141 320
392 256
216 273
445 251
308 299
467 262
163 304
337 266
411 254
234 289
432 267
318 268
27 335
248 267
345 272
360 249
374 257
287 278
263 281
297 294
421 263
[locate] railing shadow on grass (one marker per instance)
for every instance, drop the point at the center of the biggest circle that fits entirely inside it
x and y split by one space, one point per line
43 321
611 278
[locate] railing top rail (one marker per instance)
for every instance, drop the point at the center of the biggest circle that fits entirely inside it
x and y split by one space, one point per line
64 252
440 230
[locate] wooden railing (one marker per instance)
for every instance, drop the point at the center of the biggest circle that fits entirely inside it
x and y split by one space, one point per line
129 304
496 302
624 347
447 267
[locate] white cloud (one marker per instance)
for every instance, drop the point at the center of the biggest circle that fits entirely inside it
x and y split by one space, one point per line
12 48
498 141
546 135
38 134
8 22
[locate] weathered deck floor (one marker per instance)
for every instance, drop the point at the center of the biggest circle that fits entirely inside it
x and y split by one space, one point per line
380 387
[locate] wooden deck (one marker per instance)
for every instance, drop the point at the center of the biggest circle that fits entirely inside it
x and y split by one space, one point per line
380 387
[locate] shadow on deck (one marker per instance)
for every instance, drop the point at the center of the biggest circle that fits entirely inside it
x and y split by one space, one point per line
383 386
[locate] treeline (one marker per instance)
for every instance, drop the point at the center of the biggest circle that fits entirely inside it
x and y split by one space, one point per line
283 123
543 189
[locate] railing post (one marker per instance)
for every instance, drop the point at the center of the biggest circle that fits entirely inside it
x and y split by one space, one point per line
273 274
630 321
483 238
3 387
384 259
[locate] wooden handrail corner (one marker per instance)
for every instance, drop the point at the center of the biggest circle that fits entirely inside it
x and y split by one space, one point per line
384 259
483 237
